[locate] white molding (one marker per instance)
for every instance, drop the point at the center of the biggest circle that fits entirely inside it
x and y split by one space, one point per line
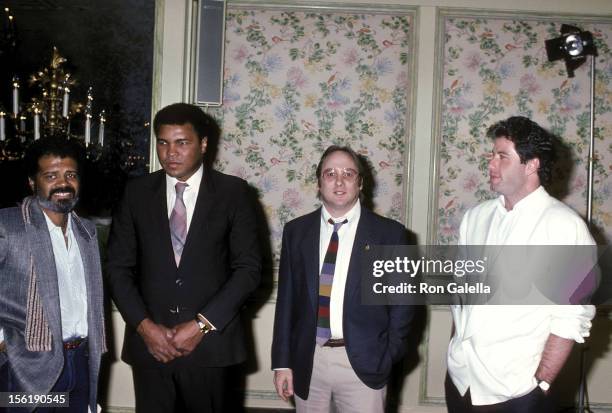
118 409
424 399
326 7
261 395
168 81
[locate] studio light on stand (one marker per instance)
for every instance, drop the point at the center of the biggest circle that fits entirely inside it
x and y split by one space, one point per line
573 46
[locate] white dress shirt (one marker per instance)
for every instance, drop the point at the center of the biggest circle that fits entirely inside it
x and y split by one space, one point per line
190 196
496 349
70 280
346 238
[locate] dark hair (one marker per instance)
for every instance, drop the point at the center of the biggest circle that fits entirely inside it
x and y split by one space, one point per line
349 152
530 141
57 146
182 113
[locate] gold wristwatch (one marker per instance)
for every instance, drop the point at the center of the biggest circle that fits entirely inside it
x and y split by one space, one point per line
204 328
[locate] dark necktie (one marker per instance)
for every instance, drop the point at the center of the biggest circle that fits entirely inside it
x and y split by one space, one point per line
325 284
178 222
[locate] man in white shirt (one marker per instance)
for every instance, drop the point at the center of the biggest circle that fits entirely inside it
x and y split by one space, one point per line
504 358
327 345
51 315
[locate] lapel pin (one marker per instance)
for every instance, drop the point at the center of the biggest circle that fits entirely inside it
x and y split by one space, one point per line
367 247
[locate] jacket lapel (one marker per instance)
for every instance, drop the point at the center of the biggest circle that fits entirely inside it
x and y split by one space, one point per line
309 248
159 217
362 241
44 265
88 249
198 226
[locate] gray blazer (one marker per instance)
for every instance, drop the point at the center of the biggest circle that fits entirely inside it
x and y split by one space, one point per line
29 298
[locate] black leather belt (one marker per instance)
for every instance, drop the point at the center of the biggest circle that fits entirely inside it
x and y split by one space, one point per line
74 343
334 342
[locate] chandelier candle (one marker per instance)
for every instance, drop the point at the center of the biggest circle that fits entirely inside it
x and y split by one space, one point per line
15 97
87 129
101 129
2 126
65 103
36 125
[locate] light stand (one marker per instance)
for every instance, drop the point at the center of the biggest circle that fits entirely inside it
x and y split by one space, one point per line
573 46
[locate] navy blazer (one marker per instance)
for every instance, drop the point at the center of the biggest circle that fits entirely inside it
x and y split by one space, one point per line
375 336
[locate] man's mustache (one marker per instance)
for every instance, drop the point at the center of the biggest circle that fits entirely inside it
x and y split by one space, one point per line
68 189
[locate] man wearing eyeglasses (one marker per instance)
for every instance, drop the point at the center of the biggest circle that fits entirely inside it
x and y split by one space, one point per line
327 345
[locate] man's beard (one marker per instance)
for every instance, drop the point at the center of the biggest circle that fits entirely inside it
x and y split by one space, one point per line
63 206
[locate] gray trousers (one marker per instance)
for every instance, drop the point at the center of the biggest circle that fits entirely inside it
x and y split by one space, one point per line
335 383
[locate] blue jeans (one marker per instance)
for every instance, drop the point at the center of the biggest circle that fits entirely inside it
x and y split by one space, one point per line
74 379
4 381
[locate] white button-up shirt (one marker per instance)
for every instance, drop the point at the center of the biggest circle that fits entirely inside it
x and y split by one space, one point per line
496 349
70 280
346 238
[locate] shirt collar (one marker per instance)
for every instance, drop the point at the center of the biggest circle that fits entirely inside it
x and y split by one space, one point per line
351 216
534 198
52 227
193 182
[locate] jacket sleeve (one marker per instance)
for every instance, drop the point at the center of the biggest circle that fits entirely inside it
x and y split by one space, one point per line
281 340
122 260
245 262
3 251
3 244
400 316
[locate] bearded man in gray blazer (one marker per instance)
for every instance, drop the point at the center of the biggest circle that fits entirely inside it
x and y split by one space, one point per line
51 307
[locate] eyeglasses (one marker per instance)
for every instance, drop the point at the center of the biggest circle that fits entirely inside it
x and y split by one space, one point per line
347 174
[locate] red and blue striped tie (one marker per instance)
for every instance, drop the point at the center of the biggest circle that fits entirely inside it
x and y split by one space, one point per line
325 284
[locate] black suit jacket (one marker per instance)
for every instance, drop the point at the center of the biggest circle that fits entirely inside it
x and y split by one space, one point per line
375 336
220 266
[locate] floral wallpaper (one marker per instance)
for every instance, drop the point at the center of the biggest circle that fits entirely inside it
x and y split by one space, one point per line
295 83
495 68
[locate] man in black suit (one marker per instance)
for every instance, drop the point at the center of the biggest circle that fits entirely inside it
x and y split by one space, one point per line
327 345
182 259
